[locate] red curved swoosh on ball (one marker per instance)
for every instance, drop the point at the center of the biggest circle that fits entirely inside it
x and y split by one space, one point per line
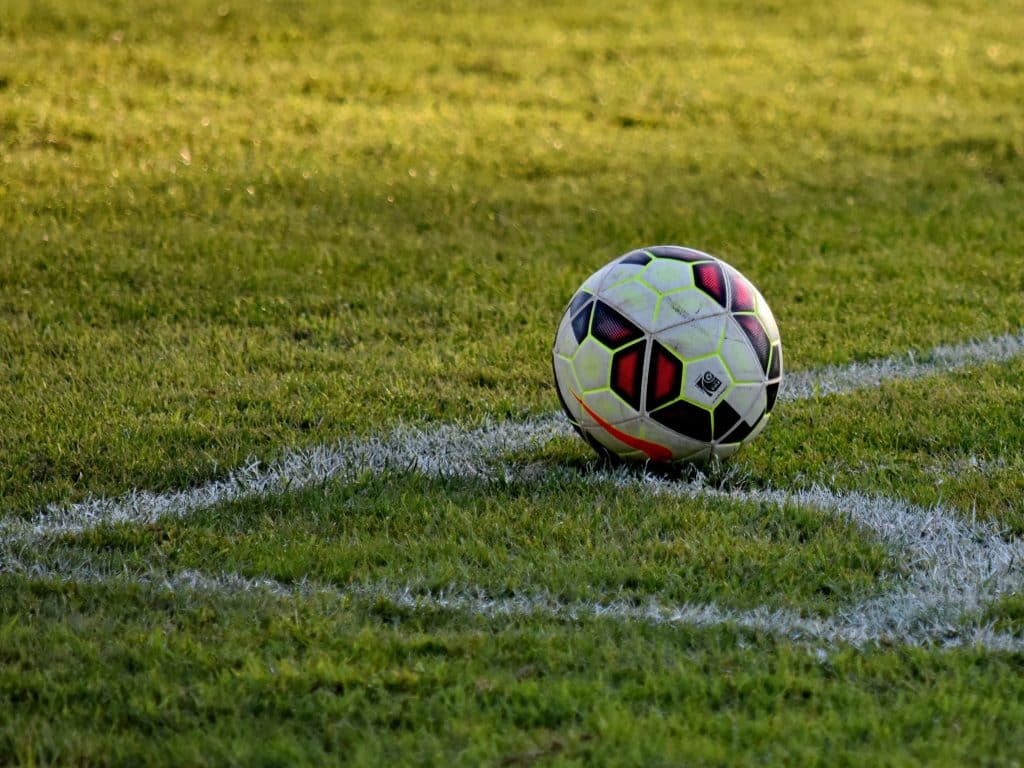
653 451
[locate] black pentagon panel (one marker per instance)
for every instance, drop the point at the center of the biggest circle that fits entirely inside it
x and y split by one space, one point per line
578 301
742 432
581 323
611 328
686 419
628 374
725 419
636 257
772 390
664 377
742 292
709 277
758 337
775 366
676 252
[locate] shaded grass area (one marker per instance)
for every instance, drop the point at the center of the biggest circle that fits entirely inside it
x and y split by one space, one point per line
129 675
566 536
228 233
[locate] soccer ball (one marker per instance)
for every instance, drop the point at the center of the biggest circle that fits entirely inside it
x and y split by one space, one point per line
667 354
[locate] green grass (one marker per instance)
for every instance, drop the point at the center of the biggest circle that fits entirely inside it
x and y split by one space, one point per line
224 234
953 440
249 681
568 537
229 230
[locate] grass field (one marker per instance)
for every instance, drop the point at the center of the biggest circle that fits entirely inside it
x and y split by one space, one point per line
281 480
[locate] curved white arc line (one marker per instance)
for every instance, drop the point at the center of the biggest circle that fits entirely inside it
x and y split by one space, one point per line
952 568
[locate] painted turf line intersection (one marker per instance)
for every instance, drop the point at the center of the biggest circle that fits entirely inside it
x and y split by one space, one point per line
952 568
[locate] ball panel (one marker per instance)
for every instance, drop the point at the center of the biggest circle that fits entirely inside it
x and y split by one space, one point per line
566 343
757 428
710 278
608 406
634 300
664 376
581 298
750 422
681 307
617 273
738 356
677 252
697 338
627 375
741 292
618 439
723 419
775 366
740 434
640 257
592 363
702 456
707 379
581 322
772 392
612 328
759 341
593 283
685 418
679 445
743 398
764 312
667 275
566 384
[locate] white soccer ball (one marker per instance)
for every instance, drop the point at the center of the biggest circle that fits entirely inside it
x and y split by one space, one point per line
668 354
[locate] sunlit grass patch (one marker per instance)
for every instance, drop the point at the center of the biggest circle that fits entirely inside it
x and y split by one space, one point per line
225 234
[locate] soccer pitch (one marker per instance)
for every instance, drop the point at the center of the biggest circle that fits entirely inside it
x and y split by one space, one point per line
282 479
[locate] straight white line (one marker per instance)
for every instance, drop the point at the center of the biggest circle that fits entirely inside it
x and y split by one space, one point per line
839 379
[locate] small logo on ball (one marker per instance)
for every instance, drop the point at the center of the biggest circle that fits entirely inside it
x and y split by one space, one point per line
709 383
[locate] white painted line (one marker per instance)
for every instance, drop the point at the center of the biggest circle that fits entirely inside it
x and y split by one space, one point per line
446 450
449 450
848 628
953 568
839 379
